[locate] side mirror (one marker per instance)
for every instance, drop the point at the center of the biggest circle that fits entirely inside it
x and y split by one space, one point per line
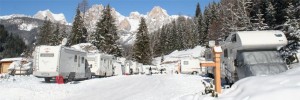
90 66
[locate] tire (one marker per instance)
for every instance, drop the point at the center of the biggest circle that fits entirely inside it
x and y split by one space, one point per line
194 73
47 79
176 72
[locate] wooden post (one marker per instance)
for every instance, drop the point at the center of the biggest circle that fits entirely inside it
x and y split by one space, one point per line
217 64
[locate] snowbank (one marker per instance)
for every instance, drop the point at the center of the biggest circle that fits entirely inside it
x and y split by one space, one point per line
284 86
277 87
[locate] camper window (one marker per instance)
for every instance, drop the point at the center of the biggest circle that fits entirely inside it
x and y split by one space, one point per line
233 38
75 58
185 62
82 60
226 53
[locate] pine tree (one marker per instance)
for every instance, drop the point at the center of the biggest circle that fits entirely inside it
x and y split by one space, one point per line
292 24
14 46
259 22
199 25
56 36
45 32
105 37
141 49
3 36
270 15
77 35
198 10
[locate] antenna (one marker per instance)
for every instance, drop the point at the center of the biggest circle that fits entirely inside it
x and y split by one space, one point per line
64 41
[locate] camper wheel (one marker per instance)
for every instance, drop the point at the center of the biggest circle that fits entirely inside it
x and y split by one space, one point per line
176 72
194 73
47 79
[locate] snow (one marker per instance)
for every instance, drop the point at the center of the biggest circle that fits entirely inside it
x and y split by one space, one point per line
176 55
135 87
86 47
12 59
53 17
218 49
13 16
27 27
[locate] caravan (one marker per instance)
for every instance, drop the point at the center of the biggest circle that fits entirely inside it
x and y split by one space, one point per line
191 66
251 53
101 64
52 61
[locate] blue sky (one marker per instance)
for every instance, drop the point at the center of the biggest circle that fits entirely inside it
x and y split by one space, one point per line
67 7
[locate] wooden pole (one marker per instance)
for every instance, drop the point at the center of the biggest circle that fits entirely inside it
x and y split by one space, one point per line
217 64
217 72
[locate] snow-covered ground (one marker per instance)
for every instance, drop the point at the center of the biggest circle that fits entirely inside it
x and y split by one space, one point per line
135 87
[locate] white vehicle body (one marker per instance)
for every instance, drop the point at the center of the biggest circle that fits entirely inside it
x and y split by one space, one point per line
249 53
127 69
135 67
117 68
101 64
52 61
140 68
191 66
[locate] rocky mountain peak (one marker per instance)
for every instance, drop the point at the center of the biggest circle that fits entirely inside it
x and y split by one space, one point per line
60 18
157 12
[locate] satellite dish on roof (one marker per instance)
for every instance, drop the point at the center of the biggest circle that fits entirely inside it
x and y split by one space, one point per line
64 41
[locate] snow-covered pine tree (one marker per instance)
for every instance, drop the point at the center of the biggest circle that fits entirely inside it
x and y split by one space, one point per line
199 25
56 36
141 49
270 15
13 47
259 22
45 32
292 24
180 32
105 37
77 35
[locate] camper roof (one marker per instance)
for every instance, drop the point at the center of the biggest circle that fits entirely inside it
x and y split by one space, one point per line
248 40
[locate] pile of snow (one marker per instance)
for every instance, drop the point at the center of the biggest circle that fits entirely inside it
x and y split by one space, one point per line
86 47
275 87
176 55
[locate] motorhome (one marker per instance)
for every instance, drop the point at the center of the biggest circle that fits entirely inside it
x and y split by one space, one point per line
252 53
101 64
52 61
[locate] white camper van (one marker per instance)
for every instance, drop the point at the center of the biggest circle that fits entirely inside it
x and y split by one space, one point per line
52 61
251 53
101 64
191 66
128 64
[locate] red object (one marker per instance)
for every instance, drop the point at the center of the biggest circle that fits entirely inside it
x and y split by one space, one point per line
59 79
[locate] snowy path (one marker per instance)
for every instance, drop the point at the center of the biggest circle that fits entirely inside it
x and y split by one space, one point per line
155 87
135 87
